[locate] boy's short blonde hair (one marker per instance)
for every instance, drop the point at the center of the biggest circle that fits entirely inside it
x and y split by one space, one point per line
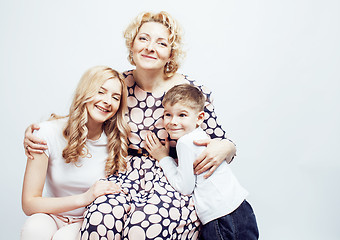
185 94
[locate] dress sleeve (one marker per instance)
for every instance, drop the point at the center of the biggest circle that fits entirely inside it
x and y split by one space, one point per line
210 124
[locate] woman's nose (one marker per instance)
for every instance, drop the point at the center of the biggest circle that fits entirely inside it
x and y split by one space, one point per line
107 99
150 46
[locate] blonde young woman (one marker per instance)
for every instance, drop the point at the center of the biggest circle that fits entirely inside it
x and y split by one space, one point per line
152 209
84 147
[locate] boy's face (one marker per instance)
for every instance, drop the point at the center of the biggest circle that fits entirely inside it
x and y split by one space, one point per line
180 120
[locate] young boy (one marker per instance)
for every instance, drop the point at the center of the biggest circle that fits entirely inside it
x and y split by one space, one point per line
219 200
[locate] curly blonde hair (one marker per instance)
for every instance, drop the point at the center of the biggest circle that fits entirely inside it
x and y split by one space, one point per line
175 37
116 128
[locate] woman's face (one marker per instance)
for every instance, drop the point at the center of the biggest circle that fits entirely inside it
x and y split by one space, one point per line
151 48
105 102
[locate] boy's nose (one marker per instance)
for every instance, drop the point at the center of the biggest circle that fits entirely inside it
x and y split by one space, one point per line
173 120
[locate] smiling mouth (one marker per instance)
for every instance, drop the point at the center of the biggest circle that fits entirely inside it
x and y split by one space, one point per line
149 57
175 130
102 109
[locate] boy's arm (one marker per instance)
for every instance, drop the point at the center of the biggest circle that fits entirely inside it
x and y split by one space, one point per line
180 177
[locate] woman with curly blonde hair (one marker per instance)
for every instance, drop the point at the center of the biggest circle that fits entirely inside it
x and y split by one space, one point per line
175 38
151 209
155 209
87 145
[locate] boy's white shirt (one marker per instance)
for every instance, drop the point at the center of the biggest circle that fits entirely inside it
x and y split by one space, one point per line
214 197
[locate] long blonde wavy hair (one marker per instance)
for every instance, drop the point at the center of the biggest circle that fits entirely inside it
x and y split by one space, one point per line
175 37
116 128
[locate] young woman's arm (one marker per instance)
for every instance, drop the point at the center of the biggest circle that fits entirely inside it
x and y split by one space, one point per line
33 202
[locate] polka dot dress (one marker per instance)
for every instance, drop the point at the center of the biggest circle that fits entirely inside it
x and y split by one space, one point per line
148 207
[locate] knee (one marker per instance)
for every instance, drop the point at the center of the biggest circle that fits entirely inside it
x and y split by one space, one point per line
38 226
107 214
115 205
71 231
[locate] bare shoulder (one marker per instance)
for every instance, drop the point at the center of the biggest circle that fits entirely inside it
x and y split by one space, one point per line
179 78
176 79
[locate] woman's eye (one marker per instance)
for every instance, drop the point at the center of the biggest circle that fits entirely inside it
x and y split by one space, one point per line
163 44
116 98
142 38
100 92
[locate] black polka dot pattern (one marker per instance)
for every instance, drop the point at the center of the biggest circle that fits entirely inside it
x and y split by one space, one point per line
149 208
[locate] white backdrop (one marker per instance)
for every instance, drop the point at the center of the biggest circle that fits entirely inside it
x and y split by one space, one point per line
274 67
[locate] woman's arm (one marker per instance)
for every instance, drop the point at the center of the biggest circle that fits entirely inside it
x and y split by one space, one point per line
33 202
33 144
215 153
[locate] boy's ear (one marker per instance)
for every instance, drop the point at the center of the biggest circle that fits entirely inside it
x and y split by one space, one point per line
200 118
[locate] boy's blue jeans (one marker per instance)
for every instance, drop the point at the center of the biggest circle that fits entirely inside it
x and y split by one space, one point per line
238 225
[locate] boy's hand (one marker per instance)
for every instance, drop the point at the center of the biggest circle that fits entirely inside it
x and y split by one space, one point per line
155 148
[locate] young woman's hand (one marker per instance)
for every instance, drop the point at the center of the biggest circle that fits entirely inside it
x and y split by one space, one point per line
32 144
99 188
156 149
215 153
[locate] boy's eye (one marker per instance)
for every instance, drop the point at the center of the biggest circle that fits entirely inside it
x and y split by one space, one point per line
116 98
182 115
167 114
100 92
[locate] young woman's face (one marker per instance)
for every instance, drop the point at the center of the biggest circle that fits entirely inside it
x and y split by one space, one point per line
151 49
105 102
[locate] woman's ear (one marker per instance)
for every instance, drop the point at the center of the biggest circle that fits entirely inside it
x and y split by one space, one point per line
200 118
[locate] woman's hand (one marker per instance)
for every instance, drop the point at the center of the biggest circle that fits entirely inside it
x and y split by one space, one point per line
99 188
156 149
215 153
32 144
